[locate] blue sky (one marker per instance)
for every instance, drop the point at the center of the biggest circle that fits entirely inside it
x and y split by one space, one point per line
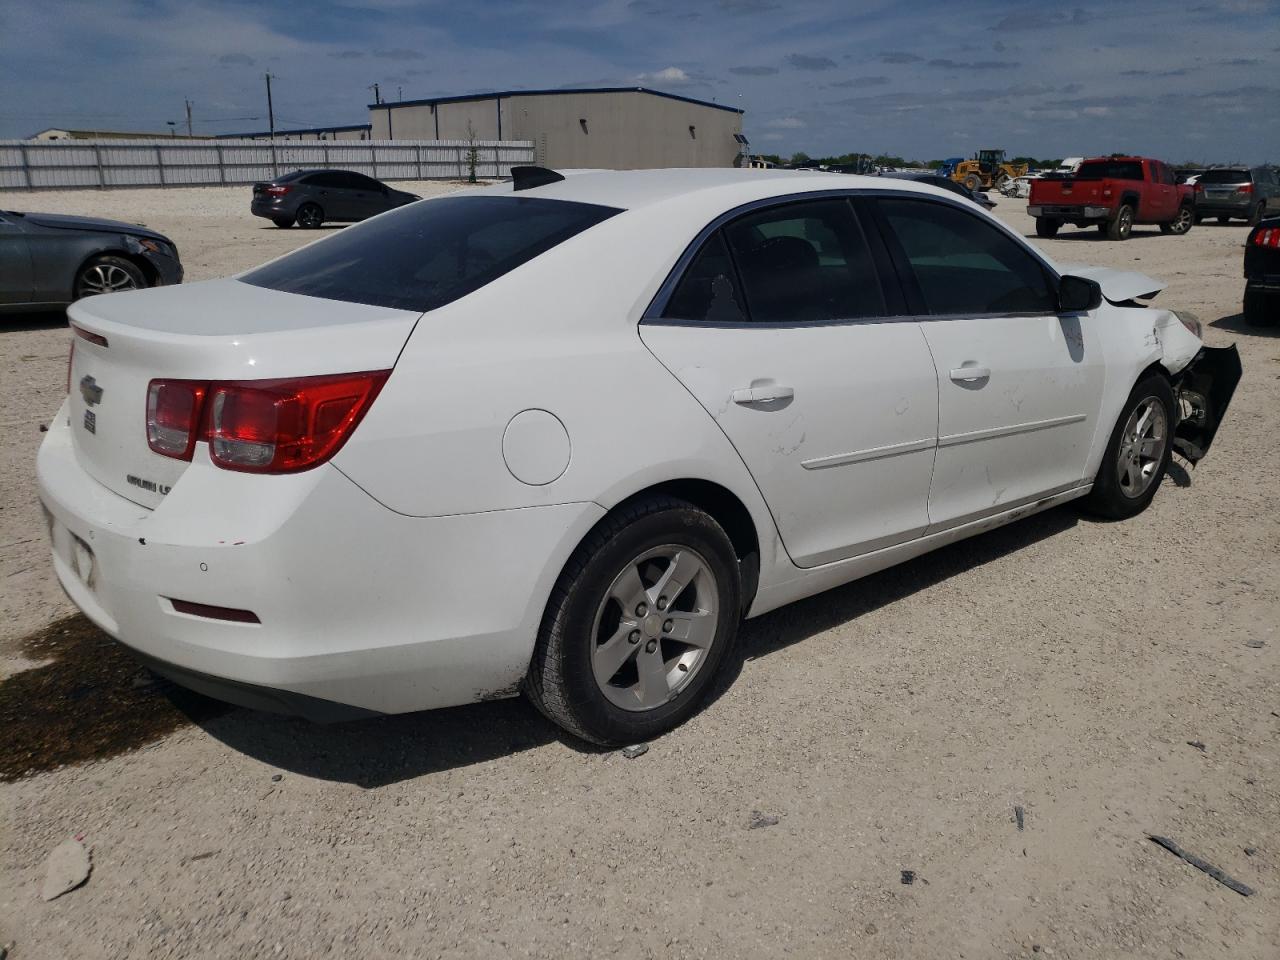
1193 81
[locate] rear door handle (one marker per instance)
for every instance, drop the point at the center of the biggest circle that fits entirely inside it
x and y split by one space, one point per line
969 374
762 394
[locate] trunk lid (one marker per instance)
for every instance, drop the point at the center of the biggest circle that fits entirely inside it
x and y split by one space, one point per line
214 330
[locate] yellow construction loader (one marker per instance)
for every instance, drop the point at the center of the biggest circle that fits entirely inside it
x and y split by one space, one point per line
988 169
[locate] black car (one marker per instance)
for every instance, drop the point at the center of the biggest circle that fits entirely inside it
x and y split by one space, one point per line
47 260
946 183
312 197
1262 273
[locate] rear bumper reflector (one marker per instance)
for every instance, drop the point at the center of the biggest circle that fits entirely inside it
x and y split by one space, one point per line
210 612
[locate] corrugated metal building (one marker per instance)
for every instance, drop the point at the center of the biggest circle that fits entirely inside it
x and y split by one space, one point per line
619 128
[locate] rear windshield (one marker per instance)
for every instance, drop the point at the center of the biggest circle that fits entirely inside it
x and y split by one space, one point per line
430 253
1110 170
1226 176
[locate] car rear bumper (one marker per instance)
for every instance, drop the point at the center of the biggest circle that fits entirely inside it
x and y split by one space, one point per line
1224 208
1072 213
360 610
273 207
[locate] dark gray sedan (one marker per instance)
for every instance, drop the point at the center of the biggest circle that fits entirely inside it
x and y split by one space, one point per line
47 260
310 198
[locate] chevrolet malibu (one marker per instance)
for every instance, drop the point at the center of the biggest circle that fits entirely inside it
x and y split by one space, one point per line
560 436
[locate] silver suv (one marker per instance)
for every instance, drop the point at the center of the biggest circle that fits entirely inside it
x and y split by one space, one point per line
1242 193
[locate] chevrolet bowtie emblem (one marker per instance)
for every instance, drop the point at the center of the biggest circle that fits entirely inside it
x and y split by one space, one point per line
90 390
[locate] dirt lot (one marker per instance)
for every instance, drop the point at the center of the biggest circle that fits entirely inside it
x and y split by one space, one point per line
1060 665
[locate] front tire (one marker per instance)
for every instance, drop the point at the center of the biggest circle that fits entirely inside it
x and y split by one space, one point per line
310 216
973 183
1137 454
1224 220
108 274
638 624
1047 227
1121 225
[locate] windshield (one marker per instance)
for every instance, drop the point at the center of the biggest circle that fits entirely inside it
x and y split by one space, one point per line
1226 176
1110 170
427 254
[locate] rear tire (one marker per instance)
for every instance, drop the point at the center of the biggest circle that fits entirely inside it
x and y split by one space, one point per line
108 274
1181 223
310 216
1224 219
1121 225
1047 226
284 223
1137 454
1256 215
1260 309
610 595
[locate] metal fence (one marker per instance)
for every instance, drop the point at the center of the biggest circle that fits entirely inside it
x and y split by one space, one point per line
65 164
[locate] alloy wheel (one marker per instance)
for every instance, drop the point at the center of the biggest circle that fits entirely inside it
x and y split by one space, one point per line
655 627
105 278
1142 447
1182 223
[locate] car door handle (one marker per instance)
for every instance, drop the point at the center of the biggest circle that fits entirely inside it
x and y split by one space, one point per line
969 374
762 394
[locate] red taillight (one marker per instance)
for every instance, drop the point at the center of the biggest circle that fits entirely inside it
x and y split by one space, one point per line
278 190
1269 237
173 416
260 426
1245 188
1199 187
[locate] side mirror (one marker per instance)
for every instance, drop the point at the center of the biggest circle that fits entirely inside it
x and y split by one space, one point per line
1078 295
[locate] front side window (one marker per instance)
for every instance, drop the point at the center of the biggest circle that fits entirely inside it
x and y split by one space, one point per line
965 265
424 255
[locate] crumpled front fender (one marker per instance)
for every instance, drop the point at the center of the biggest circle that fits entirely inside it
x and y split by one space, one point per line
1204 389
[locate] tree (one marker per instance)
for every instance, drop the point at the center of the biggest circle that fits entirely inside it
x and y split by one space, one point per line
473 153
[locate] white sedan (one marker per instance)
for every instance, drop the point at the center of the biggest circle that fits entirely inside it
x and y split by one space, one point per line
560 436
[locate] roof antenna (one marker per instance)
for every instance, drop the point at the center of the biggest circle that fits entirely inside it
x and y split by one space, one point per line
526 178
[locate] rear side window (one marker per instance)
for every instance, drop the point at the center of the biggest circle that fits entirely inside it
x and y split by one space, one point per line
1226 176
1110 170
425 255
805 263
965 265
708 291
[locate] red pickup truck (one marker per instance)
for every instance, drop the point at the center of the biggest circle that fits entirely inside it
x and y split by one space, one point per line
1113 193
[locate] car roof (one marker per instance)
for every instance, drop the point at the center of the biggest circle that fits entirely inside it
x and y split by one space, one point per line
635 189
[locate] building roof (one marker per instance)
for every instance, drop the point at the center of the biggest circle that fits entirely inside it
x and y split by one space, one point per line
504 94
113 134
281 132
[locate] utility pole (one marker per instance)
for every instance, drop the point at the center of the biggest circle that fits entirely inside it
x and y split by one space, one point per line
271 117
377 93
189 133
271 121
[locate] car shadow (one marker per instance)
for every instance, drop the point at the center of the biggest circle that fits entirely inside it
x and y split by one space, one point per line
87 699
33 320
1090 234
1236 323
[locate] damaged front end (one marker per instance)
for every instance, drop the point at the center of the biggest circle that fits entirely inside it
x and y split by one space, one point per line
1204 389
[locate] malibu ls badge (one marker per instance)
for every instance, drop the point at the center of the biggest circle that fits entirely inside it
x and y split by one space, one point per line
92 394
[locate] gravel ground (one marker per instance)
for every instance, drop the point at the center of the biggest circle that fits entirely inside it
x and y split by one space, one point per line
1059 665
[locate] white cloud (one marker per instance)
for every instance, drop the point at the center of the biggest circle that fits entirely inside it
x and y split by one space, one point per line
667 75
786 123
